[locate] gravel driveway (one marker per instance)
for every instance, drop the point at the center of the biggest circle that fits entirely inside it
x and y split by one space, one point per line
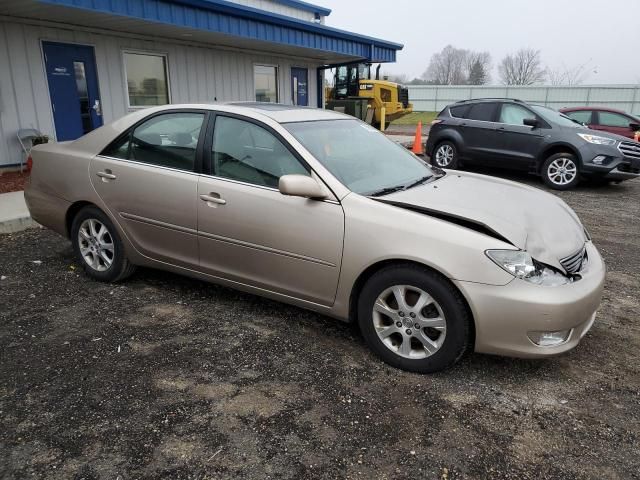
167 377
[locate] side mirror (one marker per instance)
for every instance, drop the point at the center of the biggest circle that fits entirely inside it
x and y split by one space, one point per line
634 126
530 122
301 186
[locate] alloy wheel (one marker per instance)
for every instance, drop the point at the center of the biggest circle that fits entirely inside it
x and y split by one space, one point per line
96 244
562 171
444 155
409 322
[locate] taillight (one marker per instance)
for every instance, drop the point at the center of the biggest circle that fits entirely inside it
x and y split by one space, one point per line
29 163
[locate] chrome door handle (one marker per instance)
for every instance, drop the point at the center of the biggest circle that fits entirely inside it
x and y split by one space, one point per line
211 199
106 175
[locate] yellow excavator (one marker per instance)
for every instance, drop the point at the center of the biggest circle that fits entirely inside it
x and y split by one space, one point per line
374 101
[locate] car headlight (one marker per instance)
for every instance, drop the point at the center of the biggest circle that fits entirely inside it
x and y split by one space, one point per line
597 140
521 265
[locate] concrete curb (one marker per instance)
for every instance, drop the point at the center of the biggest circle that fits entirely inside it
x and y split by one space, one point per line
14 214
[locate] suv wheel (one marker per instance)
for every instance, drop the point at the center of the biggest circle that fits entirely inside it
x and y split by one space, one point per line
445 155
98 247
413 319
560 171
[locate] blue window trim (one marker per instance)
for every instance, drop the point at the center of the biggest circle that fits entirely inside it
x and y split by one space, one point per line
228 18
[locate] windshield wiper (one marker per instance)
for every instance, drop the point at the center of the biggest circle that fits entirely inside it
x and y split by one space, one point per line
420 181
387 191
399 188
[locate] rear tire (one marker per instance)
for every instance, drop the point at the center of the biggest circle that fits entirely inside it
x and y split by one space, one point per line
445 155
98 246
414 319
561 172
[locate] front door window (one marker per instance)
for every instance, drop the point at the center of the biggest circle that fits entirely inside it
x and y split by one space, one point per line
247 153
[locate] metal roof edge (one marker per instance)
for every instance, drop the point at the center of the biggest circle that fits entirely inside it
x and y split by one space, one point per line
258 14
309 7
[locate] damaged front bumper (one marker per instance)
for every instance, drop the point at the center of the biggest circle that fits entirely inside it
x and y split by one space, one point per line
507 316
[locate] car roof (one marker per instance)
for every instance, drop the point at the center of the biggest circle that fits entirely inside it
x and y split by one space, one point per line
282 113
487 99
599 109
276 111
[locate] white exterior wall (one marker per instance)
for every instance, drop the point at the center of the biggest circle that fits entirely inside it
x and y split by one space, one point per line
197 74
276 7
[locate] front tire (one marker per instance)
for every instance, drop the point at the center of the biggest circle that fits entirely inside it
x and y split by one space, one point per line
98 246
445 155
560 171
414 319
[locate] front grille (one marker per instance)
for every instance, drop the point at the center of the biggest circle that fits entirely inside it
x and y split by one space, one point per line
573 263
630 149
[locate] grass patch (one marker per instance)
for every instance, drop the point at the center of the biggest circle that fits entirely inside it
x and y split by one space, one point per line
415 117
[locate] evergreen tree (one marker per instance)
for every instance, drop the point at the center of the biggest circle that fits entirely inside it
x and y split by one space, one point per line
477 75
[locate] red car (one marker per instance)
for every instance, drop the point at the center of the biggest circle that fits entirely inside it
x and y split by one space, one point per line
607 119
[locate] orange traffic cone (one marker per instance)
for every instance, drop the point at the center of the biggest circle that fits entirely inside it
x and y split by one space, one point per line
417 143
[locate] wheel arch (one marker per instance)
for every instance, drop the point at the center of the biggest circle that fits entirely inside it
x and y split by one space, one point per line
372 269
449 135
554 149
72 211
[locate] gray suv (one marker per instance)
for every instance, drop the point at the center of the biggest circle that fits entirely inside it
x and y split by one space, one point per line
512 134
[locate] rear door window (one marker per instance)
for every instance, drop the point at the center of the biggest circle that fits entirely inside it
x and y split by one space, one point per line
166 140
484 111
582 116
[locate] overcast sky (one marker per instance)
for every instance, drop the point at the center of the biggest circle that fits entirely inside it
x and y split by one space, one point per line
603 35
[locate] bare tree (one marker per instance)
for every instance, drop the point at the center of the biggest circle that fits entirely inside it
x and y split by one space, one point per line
523 67
570 76
447 67
453 66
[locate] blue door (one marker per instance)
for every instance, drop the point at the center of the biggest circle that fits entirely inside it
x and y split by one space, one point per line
300 86
73 87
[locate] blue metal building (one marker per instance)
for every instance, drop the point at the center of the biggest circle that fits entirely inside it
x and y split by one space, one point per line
68 66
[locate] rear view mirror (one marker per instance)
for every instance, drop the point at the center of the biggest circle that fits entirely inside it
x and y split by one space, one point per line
301 186
634 126
530 122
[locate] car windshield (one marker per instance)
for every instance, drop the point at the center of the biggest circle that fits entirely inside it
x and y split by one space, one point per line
361 157
553 116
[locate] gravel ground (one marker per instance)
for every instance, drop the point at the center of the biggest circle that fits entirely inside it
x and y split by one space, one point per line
167 377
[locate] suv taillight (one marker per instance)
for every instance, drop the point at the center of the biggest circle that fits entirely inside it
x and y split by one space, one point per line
29 163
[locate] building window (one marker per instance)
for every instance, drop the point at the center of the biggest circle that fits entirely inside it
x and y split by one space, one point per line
146 76
266 83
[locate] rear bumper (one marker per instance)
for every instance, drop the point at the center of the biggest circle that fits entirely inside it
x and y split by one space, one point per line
48 210
504 315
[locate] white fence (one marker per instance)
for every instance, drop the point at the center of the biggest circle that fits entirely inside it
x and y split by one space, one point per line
433 98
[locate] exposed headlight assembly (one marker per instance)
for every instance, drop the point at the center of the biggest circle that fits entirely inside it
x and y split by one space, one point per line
522 266
597 140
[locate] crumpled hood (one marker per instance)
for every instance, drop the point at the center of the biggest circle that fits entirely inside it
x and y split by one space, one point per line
530 219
